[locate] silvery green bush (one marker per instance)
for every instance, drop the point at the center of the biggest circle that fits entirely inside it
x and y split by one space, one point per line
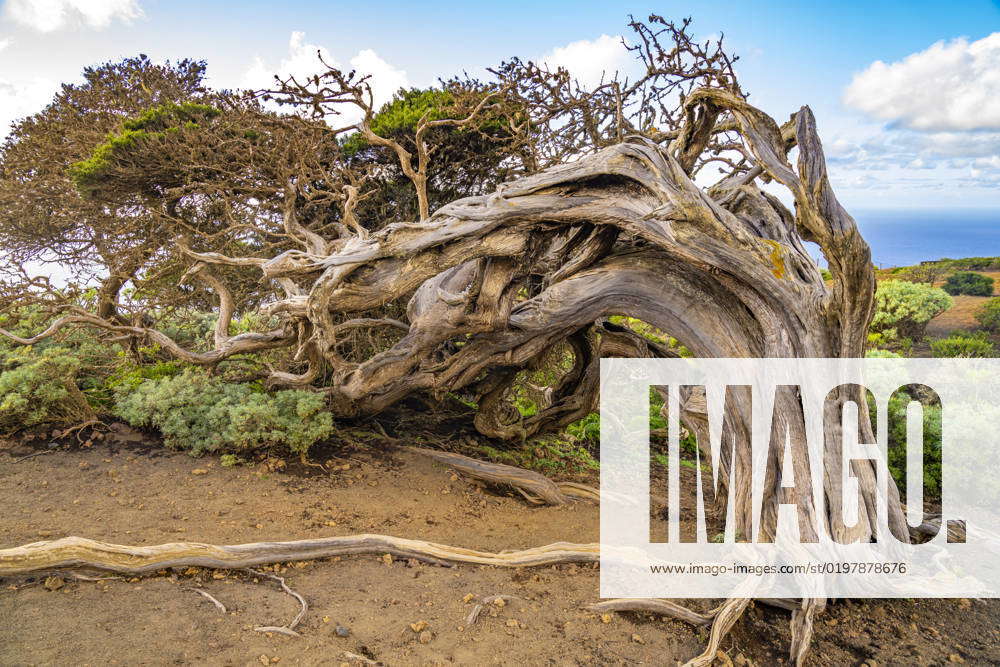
199 413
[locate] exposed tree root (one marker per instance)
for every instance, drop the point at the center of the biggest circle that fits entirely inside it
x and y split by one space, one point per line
536 488
725 617
76 576
78 429
33 455
932 526
654 606
802 628
579 491
78 552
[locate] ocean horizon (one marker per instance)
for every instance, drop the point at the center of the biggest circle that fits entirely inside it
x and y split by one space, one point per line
902 237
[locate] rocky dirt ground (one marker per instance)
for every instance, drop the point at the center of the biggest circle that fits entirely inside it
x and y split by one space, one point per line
128 489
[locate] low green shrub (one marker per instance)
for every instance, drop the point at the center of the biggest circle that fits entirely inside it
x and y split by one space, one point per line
902 311
129 376
199 413
963 344
966 282
230 460
588 428
39 387
59 382
882 354
989 315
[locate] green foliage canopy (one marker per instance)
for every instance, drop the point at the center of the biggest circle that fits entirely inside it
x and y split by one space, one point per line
91 175
903 309
966 282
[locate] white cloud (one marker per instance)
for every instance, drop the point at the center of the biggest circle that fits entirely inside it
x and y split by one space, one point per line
23 98
302 62
953 86
911 149
386 79
589 60
991 162
50 15
856 181
4 43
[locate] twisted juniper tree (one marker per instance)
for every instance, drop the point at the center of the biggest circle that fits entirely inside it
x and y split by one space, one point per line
42 217
613 207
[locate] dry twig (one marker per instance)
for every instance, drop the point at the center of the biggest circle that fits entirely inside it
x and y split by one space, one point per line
221 607
478 609
288 629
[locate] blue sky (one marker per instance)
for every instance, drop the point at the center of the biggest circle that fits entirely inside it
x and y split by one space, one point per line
920 130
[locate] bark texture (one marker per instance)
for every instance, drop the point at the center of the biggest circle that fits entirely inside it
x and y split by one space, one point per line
78 552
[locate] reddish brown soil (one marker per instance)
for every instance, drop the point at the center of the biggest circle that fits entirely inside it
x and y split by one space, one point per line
960 317
128 490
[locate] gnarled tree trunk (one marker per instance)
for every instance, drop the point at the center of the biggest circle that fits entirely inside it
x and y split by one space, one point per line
498 281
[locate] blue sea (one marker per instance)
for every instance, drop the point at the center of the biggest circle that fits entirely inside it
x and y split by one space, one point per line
903 237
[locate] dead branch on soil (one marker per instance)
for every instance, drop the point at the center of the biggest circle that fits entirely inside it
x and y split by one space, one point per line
282 629
478 609
33 455
205 594
81 553
359 658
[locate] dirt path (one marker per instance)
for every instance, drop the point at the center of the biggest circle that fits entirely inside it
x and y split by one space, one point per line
131 492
